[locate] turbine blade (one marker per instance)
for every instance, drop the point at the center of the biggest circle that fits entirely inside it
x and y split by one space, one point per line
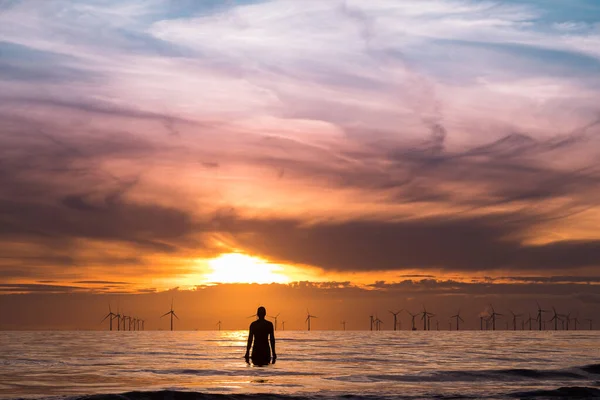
105 318
175 315
165 314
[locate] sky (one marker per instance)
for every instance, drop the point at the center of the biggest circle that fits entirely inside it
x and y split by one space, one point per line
375 155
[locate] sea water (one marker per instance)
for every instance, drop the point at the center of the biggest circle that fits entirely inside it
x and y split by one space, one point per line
317 364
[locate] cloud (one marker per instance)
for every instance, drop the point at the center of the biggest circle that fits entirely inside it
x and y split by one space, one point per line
38 288
461 244
435 135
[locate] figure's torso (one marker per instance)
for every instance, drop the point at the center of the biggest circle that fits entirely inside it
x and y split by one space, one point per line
261 351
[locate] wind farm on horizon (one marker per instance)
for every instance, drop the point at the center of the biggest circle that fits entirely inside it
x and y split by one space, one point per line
488 321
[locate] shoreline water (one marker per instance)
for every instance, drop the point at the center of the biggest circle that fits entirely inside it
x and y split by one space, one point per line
319 364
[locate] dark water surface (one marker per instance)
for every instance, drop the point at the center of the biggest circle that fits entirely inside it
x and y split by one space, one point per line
318 364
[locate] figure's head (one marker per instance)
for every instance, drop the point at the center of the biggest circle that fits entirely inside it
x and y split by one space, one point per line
261 312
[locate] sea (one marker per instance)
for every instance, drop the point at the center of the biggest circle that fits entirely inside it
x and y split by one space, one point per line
311 365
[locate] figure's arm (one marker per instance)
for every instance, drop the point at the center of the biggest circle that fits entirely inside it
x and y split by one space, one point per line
249 345
273 345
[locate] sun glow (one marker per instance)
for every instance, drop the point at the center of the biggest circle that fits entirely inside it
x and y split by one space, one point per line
241 268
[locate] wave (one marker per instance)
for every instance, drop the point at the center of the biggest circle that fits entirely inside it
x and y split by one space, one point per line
574 392
510 375
586 373
185 395
243 372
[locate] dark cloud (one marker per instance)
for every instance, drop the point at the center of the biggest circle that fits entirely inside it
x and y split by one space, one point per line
549 279
39 288
58 192
446 287
149 226
515 169
457 244
97 107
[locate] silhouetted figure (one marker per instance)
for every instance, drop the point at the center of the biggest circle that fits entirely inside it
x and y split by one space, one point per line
261 332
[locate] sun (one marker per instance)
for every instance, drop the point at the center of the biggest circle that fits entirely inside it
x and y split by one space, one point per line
242 268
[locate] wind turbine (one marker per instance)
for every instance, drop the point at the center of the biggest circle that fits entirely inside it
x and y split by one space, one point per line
143 325
283 325
425 318
590 321
395 314
567 319
493 316
120 320
172 313
530 320
555 318
413 316
219 325
539 318
372 321
110 315
344 324
575 321
308 317
481 322
134 323
125 317
118 316
515 316
275 318
378 323
458 318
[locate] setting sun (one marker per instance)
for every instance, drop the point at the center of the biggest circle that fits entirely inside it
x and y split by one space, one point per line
241 268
